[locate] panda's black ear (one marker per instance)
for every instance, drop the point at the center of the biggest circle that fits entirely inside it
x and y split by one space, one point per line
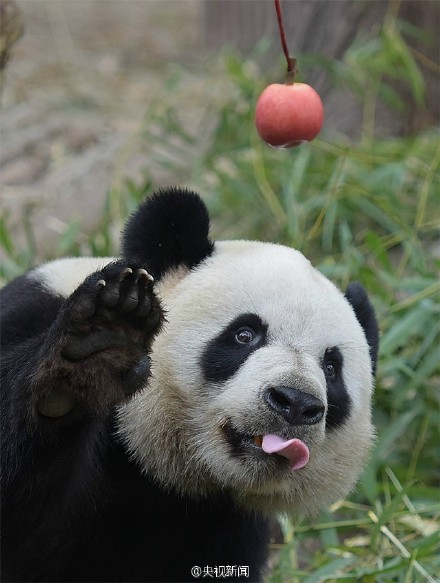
364 311
169 229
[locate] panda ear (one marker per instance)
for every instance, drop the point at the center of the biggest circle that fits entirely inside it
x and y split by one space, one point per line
169 229
364 311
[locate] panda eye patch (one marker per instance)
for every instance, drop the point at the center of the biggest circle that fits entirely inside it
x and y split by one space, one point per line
229 350
245 335
338 399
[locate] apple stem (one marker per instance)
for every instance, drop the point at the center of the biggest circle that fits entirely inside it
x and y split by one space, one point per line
291 61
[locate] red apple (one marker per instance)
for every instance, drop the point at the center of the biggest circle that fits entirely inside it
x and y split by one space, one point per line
287 115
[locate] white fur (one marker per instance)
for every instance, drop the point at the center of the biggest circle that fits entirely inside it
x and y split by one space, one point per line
63 276
174 426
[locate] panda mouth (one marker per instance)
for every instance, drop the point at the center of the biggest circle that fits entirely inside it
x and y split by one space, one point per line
294 450
239 440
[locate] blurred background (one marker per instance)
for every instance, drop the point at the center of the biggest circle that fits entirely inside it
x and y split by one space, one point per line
104 101
85 74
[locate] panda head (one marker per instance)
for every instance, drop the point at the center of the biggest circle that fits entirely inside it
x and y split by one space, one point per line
262 375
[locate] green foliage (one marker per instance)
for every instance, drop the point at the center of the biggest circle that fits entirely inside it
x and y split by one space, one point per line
368 211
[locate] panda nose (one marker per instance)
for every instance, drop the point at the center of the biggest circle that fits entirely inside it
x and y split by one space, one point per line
297 407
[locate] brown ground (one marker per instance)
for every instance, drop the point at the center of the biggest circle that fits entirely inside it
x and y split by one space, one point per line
77 87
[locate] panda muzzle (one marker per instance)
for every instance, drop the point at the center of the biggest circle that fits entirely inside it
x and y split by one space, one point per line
297 408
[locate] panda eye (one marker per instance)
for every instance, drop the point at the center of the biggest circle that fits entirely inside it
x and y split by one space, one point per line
332 363
330 370
245 335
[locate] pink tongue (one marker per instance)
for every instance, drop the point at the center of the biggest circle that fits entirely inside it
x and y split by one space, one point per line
294 450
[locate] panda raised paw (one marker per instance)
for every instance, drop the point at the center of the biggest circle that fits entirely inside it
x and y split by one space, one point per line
97 352
114 308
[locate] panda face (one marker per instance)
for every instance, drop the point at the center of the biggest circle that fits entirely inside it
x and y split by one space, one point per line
262 383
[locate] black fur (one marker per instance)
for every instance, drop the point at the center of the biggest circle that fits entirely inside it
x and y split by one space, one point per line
18 301
169 229
364 311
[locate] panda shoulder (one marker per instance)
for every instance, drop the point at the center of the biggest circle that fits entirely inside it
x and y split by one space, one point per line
29 303
62 276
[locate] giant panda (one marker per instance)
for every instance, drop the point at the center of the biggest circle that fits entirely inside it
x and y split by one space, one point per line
158 409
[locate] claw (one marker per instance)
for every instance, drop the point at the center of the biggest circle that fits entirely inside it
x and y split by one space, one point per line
125 273
143 274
